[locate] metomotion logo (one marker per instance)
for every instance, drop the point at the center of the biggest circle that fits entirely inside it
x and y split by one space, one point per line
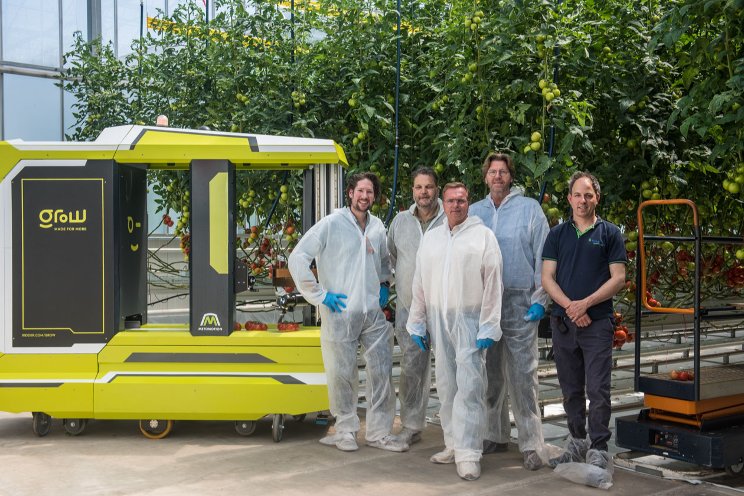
210 322
63 221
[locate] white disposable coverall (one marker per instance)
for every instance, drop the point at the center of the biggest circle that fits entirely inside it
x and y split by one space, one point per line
457 298
520 227
404 238
353 263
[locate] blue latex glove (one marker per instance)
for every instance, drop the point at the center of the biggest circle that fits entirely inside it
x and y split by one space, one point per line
334 301
536 312
484 344
421 341
384 295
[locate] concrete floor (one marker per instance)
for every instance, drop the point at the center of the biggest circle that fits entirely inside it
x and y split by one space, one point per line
206 458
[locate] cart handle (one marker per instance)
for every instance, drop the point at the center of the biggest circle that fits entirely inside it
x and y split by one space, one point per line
642 251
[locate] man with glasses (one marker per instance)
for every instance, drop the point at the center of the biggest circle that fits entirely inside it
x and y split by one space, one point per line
520 227
457 299
403 241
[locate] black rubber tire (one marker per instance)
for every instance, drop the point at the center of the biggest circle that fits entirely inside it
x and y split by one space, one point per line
300 417
277 427
41 423
245 427
74 427
155 428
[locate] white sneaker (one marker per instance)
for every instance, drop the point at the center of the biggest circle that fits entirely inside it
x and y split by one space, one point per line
410 436
345 441
468 470
389 443
445 456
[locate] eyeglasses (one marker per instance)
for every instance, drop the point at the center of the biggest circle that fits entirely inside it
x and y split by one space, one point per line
494 172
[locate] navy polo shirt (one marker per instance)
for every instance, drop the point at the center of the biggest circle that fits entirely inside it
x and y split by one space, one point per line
583 261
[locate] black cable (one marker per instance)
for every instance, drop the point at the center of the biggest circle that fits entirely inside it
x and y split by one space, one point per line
397 130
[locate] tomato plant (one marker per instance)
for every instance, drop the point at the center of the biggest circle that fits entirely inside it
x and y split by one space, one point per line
647 96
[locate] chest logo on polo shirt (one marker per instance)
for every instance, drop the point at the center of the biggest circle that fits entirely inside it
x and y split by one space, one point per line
596 242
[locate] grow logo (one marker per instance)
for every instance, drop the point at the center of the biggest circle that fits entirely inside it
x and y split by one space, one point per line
210 322
61 220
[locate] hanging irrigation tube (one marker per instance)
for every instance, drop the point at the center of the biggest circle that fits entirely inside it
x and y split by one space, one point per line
397 107
551 142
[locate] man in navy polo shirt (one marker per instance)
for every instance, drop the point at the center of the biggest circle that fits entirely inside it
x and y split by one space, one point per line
583 268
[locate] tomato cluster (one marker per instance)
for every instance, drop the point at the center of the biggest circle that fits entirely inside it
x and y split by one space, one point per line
681 375
167 220
185 244
288 326
735 277
622 333
652 302
252 325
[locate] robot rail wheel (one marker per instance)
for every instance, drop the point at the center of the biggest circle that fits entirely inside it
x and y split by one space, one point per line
155 428
41 423
74 427
245 427
277 427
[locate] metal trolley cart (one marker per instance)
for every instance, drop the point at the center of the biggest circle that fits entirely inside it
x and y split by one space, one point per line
75 341
700 421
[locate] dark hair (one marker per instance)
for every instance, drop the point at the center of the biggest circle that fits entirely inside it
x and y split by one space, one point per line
455 185
578 175
426 171
499 157
353 180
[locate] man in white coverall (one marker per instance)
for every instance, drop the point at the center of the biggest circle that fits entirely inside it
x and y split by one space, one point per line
404 237
457 298
520 227
349 248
